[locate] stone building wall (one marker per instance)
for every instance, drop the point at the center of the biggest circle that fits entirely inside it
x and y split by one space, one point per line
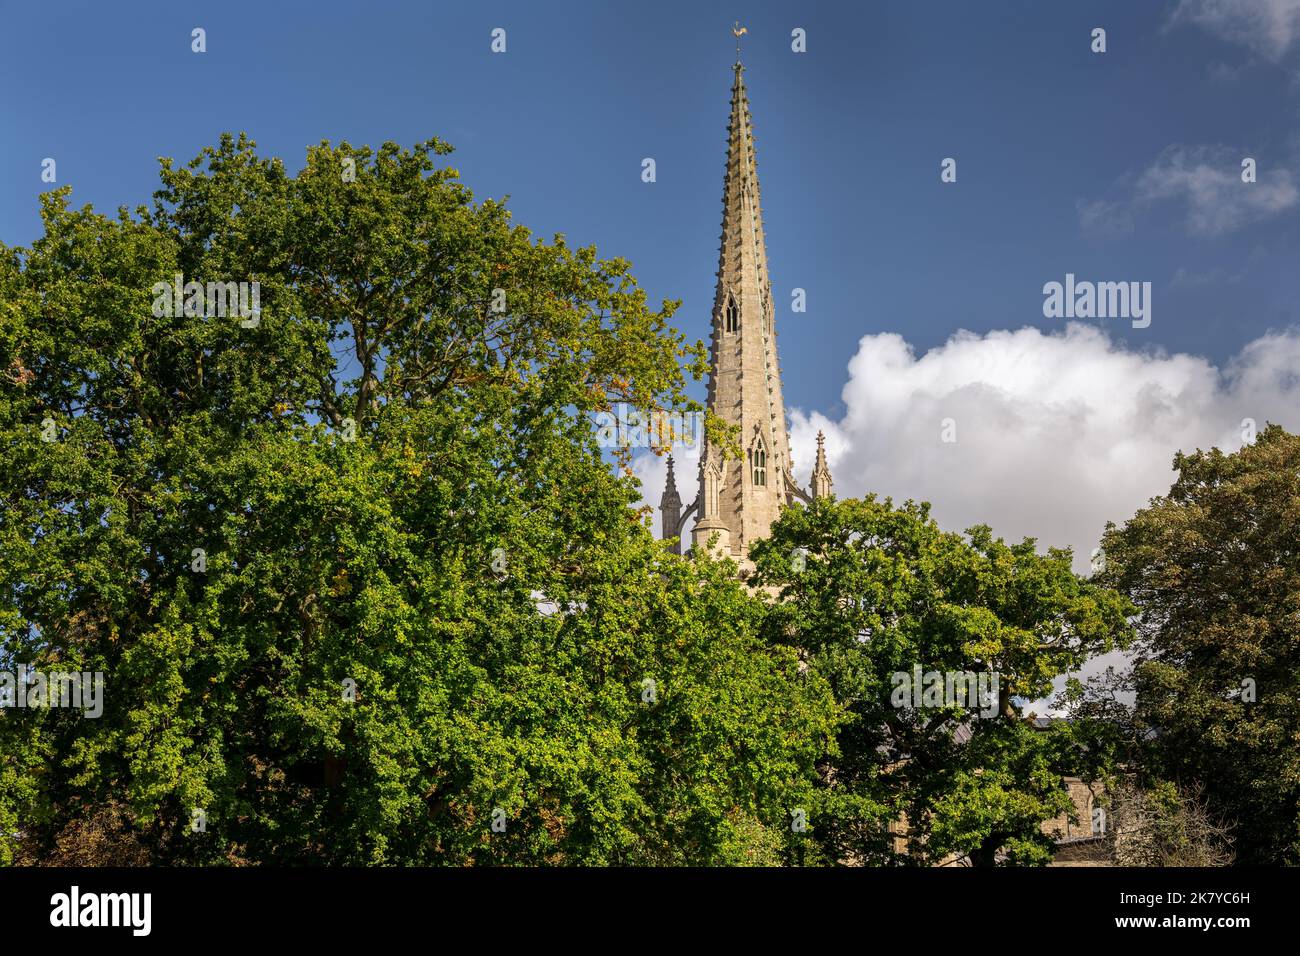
1061 827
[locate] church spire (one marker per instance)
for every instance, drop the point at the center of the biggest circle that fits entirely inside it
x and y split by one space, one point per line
740 498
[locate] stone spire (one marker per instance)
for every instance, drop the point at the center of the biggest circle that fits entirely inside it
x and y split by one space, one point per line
821 474
670 505
740 498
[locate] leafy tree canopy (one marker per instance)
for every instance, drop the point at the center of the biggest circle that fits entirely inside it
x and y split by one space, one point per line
1215 567
873 593
363 587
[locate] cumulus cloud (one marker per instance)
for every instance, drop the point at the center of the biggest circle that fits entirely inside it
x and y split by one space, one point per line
1269 28
1056 433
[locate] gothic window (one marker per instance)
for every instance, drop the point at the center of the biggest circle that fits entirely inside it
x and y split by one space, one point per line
758 464
732 315
712 491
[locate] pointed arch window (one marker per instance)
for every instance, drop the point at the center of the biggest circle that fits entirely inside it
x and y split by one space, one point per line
712 491
731 315
758 464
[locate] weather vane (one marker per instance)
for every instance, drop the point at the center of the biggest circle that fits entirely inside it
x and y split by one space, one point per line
738 31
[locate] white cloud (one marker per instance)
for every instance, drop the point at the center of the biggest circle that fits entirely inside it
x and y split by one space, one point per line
1207 179
1057 433
1269 28
1104 217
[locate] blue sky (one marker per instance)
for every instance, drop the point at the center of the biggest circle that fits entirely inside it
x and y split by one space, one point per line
850 138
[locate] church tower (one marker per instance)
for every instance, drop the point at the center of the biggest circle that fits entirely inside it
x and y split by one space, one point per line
739 498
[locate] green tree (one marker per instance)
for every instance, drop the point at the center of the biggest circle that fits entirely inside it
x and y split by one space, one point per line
869 591
1215 567
363 584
